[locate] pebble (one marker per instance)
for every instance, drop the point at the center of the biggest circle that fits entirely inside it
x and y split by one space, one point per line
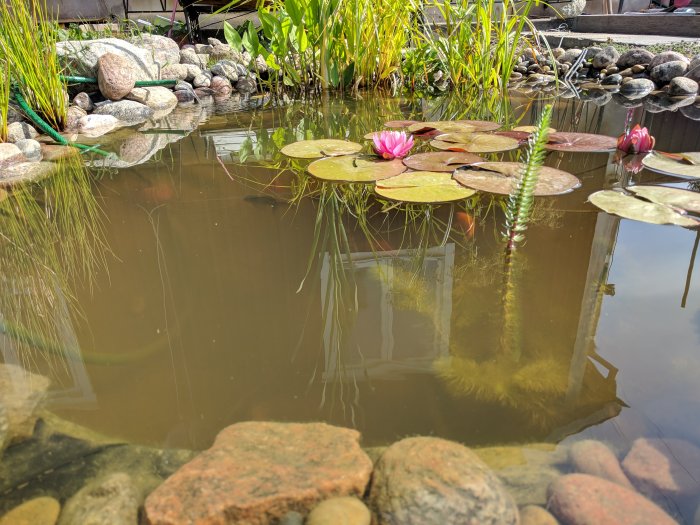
605 57
612 79
667 71
291 518
634 57
668 56
340 511
37 511
536 515
83 101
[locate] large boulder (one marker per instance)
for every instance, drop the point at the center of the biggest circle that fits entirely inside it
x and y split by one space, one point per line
115 76
126 111
429 480
80 56
595 458
634 57
256 472
668 56
163 50
667 71
22 420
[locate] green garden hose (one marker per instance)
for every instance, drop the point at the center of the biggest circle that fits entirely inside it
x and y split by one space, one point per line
139 83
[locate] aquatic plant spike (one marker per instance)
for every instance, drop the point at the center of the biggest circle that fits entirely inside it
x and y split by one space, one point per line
636 140
392 144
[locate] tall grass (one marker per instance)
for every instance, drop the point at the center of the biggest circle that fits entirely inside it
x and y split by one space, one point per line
27 41
4 94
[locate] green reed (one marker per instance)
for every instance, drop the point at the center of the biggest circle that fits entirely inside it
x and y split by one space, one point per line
4 96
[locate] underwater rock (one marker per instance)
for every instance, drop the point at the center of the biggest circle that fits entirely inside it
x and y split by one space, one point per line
174 72
24 172
667 466
340 511
81 56
20 130
255 472
528 483
634 57
667 71
462 488
97 125
162 49
127 111
595 458
112 500
682 87
536 515
10 153
637 88
54 152
291 518
37 511
657 103
158 98
21 391
581 499
115 76
607 57
692 112
30 148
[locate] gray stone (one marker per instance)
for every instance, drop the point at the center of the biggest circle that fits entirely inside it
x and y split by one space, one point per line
694 69
185 96
22 392
612 79
463 489
340 511
20 130
558 52
30 148
112 500
115 76
667 71
656 103
606 57
214 41
637 88
163 50
535 515
682 87
692 112
246 85
9 153
203 49
73 116
226 52
83 101
175 72
96 125
81 56
633 57
201 80
158 98
570 55
125 110
571 9
189 56
182 85
225 69
221 85
192 71
21 173
291 518
668 56
242 70
204 92
260 65
595 458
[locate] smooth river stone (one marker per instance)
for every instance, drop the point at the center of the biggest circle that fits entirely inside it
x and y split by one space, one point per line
595 458
256 472
581 499
340 511
37 511
535 515
670 466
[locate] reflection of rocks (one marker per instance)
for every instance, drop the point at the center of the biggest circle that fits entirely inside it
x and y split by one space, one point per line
340 511
256 472
595 458
113 500
21 393
462 488
133 149
637 88
662 102
81 56
580 499
37 511
692 112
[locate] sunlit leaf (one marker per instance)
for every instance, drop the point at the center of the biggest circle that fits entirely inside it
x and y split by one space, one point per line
474 142
355 168
676 197
630 207
581 142
676 165
422 186
501 177
440 160
444 126
530 129
399 123
314 149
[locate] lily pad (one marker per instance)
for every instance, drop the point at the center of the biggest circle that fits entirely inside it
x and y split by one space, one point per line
423 186
481 125
630 207
677 165
520 136
581 142
446 126
531 129
314 149
474 142
355 168
676 197
399 123
440 160
500 177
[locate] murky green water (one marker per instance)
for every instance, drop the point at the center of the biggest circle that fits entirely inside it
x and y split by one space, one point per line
195 298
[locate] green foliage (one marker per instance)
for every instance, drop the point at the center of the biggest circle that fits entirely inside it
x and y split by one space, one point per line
4 97
519 207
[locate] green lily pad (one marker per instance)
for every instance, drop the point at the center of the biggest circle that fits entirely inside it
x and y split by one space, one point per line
355 168
399 123
580 142
481 125
677 165
500 177
630 207
474 142
314 149
446 126
422 186
440 160
531 129
675 197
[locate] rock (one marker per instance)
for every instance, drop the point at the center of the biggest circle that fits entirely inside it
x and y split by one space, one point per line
175 72
667 71
633 57
221 85
558 52
606 57
242 70
203 49
20 130
528 483
638 68
246 85
163 50
83 101
637 88
595 458
340 511
204 92
225 51
214 41
682 87
20 173
255 472
189 56
535 515
260 65
30 148
570 55
37 511
22 392
73 116
125 110
9 153
115 76
612 80
81 56
192 71
54 152
201 80
291 518
581 499
97 125
668 56
611 70
463 489
158 98
112 500
669 466
626 72
184 96
225 69
571 9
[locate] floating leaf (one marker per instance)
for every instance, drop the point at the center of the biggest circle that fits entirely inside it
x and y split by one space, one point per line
355 168
474 142
630 207
500 177
446 126
581 142
440 160
676 197
668 165
423 186
399 123
481 125
530 129
520 136
314 149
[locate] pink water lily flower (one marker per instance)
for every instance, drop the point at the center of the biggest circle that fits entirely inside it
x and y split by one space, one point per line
637 140
392 144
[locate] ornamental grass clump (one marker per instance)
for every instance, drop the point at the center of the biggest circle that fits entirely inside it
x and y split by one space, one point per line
28 49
